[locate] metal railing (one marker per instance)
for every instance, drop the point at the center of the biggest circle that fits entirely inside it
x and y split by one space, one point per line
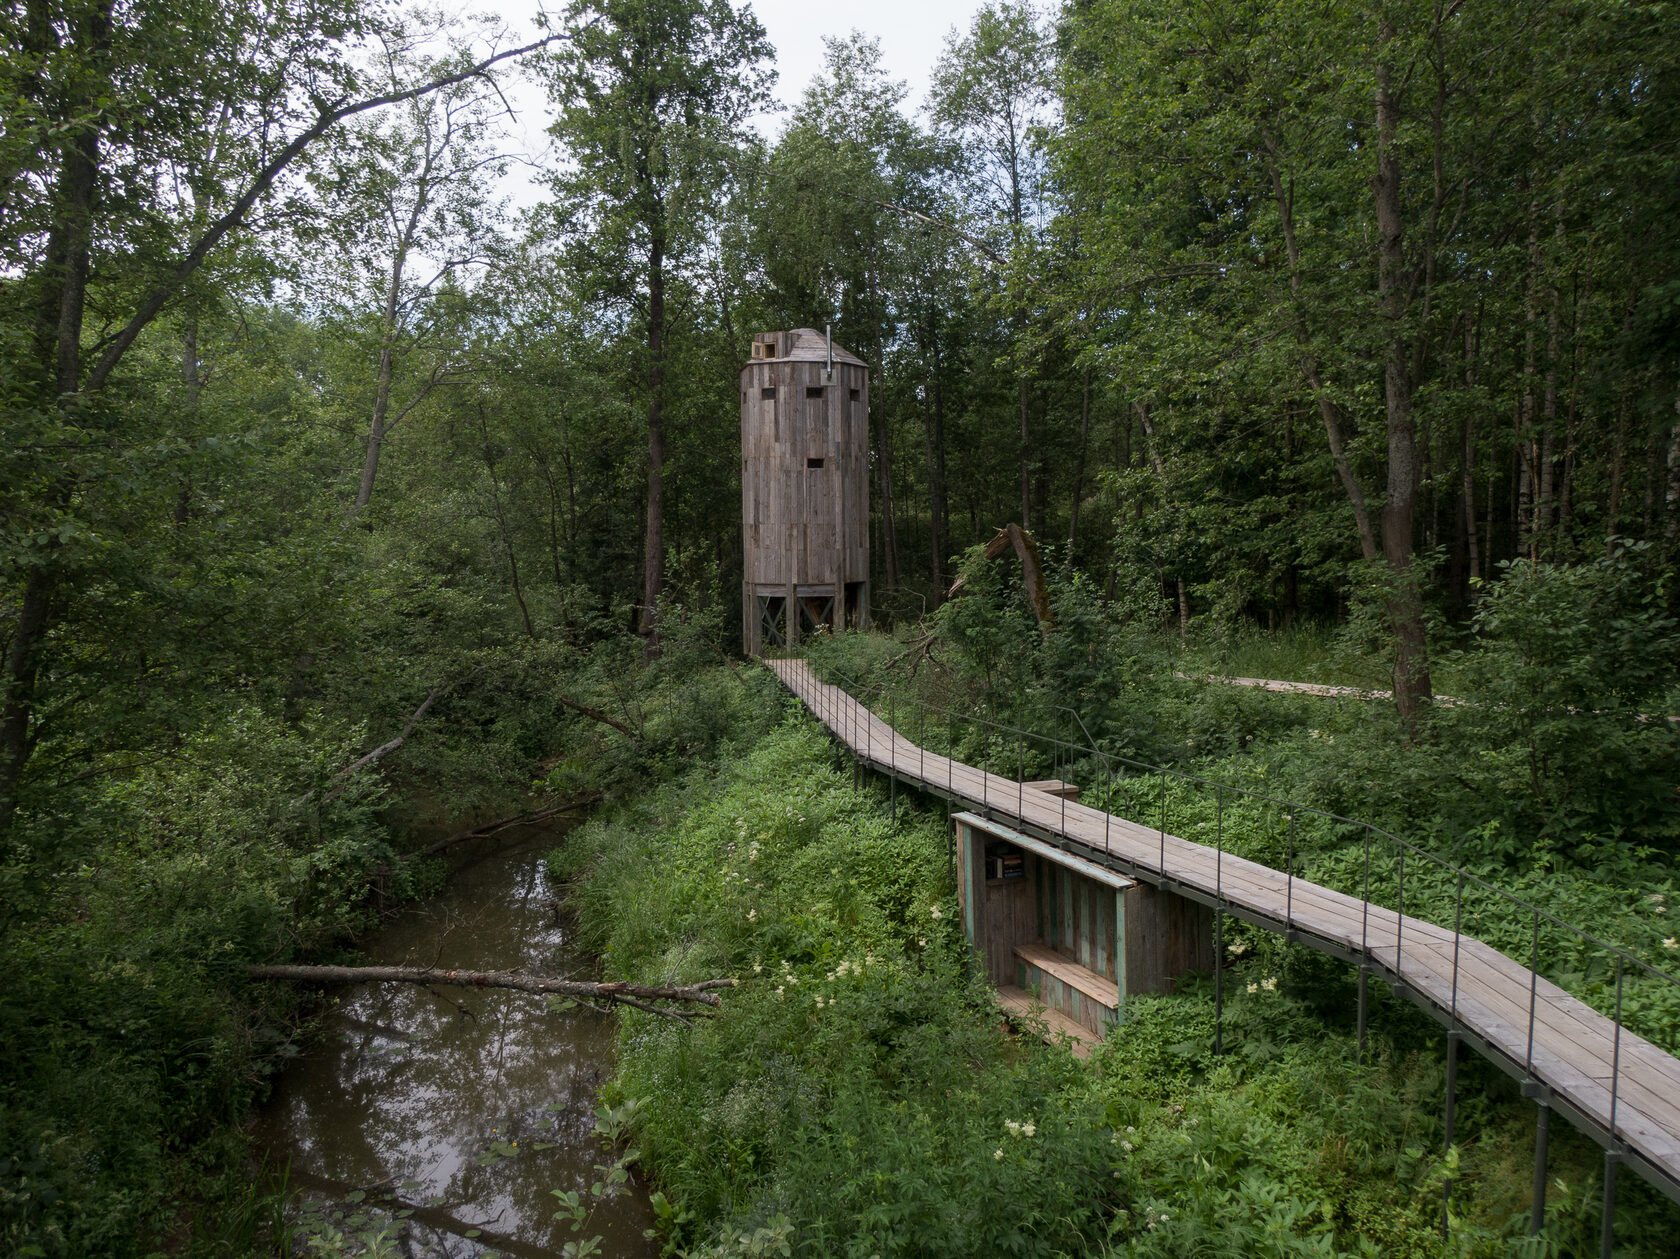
1442 882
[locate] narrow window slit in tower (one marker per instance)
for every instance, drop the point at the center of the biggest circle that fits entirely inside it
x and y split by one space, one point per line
767 393
813 391
813 463
853 393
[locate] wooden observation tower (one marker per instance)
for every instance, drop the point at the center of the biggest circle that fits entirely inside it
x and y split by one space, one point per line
804 489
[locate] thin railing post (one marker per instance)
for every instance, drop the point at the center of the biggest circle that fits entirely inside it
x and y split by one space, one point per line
1533 990
1163 857
1365 950
1616 1050
1020 774
1458 934
950 764
1365 904
1063 794
1219 922
1289 881
1108 807
892 753
1400 918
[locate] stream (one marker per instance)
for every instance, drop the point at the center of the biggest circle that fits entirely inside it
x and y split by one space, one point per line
443 1122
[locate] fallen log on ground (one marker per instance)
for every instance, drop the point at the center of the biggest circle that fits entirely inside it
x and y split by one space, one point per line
614 992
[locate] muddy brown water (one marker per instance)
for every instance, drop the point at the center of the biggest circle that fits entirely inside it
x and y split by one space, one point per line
399 1104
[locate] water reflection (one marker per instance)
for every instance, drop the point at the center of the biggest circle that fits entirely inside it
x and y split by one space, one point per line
468 1106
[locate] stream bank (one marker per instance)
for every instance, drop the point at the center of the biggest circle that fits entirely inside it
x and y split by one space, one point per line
445 1120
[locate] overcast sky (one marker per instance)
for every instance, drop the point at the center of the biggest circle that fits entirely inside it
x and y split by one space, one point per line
912 35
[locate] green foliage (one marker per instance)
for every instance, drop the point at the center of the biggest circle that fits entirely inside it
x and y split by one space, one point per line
854 1094
850 1096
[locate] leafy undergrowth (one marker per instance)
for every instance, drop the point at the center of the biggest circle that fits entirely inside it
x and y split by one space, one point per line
856 1094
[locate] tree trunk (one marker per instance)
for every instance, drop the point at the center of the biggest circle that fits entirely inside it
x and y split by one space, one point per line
640 996
60 317
1671 494
934 421
1309 369
1467 461
1545 514
653 554
501 522
1025 450
387 363
191 381
1079 463
1412 689
1618 469
1528 446
883 429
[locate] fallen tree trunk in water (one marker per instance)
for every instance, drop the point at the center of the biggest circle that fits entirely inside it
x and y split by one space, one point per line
638 996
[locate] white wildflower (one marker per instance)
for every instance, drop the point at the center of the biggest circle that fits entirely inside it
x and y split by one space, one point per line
1127 1146
1671 943
937 912
1269 983
758 968
998 1153
752 915
1014 1128
1028 1129
1254 988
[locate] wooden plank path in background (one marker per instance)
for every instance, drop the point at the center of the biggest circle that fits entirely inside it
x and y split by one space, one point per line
1572 1047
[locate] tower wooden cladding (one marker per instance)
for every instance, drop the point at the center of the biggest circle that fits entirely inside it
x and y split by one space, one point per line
804 489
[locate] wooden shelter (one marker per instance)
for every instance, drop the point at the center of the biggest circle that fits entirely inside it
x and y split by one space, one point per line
804 489
1067 938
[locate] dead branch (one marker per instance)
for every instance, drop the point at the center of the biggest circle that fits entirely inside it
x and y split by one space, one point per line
921 650
487 829
597 715
637 996
1032 573
341 780
329 114
384 749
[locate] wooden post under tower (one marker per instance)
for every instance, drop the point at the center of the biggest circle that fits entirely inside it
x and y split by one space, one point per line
804 489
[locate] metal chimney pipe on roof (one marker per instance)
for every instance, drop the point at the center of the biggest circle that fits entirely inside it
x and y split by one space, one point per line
828 337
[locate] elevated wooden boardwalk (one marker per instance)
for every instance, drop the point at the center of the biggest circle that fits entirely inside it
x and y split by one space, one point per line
1574 1060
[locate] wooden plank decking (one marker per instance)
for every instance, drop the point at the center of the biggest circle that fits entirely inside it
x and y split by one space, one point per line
1573 1046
